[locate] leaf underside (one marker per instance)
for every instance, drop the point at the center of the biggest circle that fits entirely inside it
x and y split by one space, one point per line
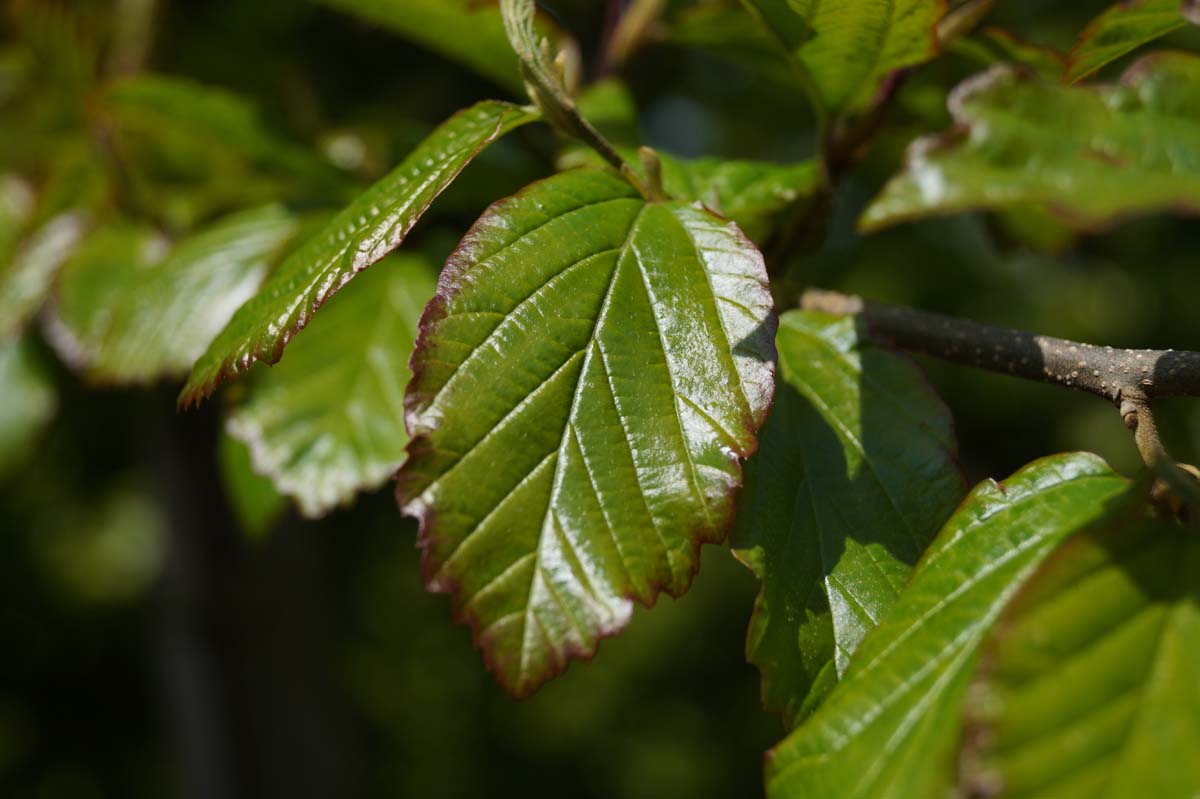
1089 153
1121 29
327 421
854 476
361 234
1090 687
890 728
585 382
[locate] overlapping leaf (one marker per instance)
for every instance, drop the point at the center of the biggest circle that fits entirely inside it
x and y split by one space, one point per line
1090 153
27 402
585 381
1090 688
128 312
328 420
855 44
994 45
854 477
891 727
1125 27
361 234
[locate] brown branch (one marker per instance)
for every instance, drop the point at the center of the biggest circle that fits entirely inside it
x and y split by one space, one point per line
1130 379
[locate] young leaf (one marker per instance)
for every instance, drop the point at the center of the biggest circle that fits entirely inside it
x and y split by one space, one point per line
585 381
1090 153
1123 28
124 313
368 229
855 43
328 420
854 476
27 402
27 278
1090 683
889 729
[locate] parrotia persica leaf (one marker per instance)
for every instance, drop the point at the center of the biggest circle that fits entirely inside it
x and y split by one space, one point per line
855 43
361 234
585 382
1090 687
27 402
891 726
1123 28
328 420
854 476
28 276
1090 153
127 311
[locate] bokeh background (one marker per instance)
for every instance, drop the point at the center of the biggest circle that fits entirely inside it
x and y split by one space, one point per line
151 645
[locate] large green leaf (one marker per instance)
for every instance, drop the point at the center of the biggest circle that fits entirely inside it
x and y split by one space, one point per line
27 402
1125 27
1090 153
328 420
891 727
855 44
854 476
368 229
1090 687
585 382
466 31
125 313
27 278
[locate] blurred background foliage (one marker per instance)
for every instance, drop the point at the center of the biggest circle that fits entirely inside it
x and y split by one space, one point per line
170 629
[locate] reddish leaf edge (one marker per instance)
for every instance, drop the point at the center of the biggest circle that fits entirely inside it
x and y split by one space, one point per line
456 267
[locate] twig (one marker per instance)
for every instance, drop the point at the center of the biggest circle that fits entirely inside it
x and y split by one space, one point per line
1130 379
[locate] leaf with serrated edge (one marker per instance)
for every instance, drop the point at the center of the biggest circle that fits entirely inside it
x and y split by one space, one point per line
890 728
855 44
1090 683
1089 153
157 317
328 420
1120 30
368 229
584 384
854 476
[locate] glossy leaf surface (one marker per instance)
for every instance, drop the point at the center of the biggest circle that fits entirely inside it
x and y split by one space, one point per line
585 382
1090 688
1123 28
28 276
1090 153
855 44
891 727
328 420
361 234
27 402
854 476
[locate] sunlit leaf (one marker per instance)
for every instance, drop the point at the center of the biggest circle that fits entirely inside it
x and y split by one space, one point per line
1089 153
1125 27
891 727
854 475
368 229
27 402
328 420
1090 688
585 382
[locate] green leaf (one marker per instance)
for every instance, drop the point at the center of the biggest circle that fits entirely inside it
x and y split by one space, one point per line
27 402
1122 29
1090 153
27 278
159 316
328 420
365 231
854 476
730 33
585 381
1090 685
890 728
252 497
855 43
466 31
994 45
